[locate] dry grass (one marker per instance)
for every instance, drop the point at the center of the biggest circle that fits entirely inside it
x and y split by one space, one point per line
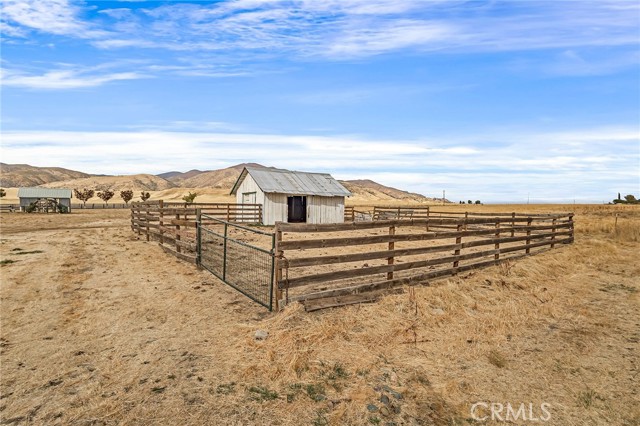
103 328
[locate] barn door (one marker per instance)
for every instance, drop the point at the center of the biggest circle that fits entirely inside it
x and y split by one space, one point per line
297 209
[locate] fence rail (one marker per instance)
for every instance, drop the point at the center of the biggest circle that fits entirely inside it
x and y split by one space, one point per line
402 251
174 225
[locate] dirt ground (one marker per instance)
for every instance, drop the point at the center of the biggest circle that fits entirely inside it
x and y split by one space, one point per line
99 327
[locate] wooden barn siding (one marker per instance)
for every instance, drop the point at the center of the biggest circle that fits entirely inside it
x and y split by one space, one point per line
250 185
325 209
275 209
24 202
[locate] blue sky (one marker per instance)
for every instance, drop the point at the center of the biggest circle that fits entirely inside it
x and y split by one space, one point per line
489 100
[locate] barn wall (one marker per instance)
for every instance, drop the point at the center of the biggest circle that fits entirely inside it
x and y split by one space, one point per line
325 209
274 209
25 202
249 185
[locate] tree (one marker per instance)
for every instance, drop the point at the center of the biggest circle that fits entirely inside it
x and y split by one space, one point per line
126 195
105 195
478 202
84 195
3 193
469 202
144 196
188 199
630 199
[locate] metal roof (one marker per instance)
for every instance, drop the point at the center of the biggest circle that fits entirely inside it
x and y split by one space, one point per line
43 193
282 181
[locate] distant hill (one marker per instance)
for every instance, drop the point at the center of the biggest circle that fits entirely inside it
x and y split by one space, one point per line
17 175
173 185
366 188
140 182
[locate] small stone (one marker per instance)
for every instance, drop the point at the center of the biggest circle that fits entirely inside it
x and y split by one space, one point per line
261 335
372 408
396 395
384 399
437 311
385 411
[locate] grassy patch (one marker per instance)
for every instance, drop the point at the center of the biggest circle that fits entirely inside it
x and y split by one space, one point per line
260 394
316 392
7 261
29 252
226 388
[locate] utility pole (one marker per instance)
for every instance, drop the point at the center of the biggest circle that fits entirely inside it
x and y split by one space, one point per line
443 197
528 193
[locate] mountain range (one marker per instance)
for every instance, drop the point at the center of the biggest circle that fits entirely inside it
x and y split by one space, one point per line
172 185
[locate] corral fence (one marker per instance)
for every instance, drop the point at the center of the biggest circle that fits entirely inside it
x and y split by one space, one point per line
325 265
335 264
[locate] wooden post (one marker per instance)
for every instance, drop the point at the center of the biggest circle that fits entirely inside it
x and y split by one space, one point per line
513 223
198 237
260 213
466 216
278 267
161 221
133 226
177 234
147 220
497 245
228 212
571 227
553 231
390 260
457 250
529 220
428 210
138 212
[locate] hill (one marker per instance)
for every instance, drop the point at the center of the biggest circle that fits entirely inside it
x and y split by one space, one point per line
17 175
366 189
139 182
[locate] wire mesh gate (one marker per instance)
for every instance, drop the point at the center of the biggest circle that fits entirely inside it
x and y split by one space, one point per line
240 264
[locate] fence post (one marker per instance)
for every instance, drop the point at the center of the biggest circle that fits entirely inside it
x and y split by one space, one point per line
279 254
228 213
147 221
132 218
466 216
260 213
138 213
529 220
224 253
428 210
198 237
161 220
457 251
497 244
392 244
571 227
513 223
553 231
178 234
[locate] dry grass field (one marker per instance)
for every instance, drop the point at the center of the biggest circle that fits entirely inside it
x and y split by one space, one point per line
99 327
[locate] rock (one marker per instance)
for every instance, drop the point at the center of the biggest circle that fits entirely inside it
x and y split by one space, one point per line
384 399
261 335
385 411
396 395
372 408
437 311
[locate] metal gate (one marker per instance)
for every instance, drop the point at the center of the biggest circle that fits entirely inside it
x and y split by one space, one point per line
241 264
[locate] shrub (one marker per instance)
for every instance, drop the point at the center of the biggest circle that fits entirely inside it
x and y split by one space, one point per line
144 196
84 195
105 195
126 195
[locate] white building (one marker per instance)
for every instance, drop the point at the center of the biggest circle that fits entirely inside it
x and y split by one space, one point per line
289 196
49 198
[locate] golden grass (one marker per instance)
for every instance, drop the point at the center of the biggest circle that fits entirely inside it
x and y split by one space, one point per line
103 328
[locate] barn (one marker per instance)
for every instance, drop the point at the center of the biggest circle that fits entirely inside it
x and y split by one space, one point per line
290 196
45 199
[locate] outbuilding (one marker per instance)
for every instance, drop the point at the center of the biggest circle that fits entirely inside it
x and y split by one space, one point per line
45 200
291 196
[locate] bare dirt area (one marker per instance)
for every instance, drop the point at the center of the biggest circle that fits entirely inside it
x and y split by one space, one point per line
99 327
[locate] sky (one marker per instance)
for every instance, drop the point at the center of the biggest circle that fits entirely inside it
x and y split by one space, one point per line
498 101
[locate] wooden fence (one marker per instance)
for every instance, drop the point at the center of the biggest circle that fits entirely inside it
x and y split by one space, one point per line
174 226
324 265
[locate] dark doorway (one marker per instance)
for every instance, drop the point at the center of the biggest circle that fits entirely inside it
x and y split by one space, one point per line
297 209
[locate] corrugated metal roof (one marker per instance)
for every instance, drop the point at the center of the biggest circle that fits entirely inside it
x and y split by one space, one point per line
282 181
43 193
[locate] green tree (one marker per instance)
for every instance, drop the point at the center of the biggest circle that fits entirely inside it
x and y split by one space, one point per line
84 195
630 199
3 193
188 199
144 196
478 202
106 195
469 202
126 195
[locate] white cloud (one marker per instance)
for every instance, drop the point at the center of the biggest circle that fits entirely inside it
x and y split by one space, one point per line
583 164
63 78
